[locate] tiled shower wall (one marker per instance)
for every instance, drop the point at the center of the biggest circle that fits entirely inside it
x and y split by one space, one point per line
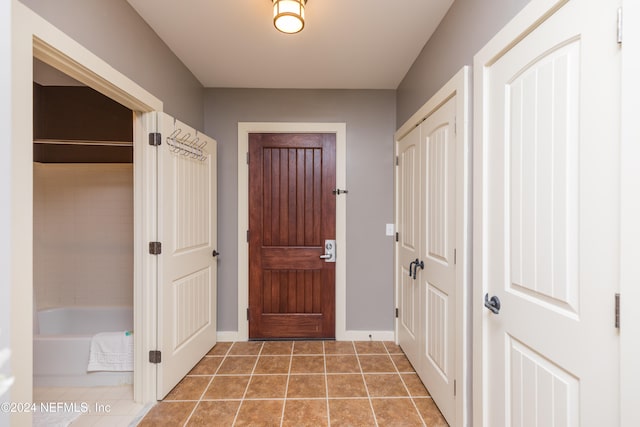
83 234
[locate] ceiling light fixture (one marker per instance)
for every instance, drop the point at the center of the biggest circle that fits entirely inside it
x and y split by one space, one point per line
288 15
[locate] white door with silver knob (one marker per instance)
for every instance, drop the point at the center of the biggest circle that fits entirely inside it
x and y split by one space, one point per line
546 217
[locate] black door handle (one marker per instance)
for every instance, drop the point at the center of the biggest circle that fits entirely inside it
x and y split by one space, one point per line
418 263
492 304
215 253
411 268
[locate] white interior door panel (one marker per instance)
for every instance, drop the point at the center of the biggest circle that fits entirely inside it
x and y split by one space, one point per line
187 268
438 278
426 272
548 144
408 203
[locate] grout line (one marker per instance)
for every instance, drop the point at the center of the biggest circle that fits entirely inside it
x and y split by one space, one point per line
246 389
413 402
301 398
193 411
286 388
366 387
304 398
326 383
235 417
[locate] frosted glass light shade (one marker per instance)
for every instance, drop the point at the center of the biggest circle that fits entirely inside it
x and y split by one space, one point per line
288 15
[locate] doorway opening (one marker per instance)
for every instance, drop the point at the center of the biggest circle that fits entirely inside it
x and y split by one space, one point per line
83 239
33 37
75 62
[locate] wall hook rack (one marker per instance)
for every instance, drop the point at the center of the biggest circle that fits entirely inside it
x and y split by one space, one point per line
185 145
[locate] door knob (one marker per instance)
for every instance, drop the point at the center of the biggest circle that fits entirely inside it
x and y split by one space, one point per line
215 253
411 268
492 304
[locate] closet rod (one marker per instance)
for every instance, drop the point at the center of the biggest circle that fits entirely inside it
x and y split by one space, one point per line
83 142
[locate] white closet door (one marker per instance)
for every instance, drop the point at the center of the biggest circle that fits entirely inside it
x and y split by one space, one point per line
548 144
438 236
408 204
187 270
426 204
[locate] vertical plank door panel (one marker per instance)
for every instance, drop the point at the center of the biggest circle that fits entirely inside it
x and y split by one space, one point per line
291 214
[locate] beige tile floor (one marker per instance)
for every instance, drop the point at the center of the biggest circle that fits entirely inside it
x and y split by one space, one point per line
299 383
106 406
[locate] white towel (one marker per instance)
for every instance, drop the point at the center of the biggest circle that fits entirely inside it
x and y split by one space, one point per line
111 351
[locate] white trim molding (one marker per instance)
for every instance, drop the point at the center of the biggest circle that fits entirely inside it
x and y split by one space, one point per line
227 336
368 336
630 212
244 129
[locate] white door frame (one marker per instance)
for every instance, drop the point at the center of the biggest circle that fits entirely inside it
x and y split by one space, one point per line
244 129
630 212
33 36
458 86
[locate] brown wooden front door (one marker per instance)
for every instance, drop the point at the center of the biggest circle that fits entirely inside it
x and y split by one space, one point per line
292 211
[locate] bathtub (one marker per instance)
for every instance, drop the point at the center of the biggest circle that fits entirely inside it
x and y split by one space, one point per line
61 346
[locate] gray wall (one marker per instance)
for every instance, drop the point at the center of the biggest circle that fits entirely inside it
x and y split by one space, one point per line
5 185
370 119
113 31
465 29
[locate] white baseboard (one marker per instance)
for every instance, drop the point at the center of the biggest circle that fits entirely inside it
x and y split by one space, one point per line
229 336
368 336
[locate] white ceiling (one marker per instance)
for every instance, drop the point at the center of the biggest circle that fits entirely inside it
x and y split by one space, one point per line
346 44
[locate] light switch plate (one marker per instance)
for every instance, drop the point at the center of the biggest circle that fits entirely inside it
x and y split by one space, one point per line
390 229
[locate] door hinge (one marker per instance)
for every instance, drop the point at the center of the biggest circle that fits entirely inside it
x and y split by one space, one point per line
397 161
454 388
155 248
617 319
619 25
397 236
397 313
247 314
247 236
155 139
247 157
455 256
155 356
455 125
